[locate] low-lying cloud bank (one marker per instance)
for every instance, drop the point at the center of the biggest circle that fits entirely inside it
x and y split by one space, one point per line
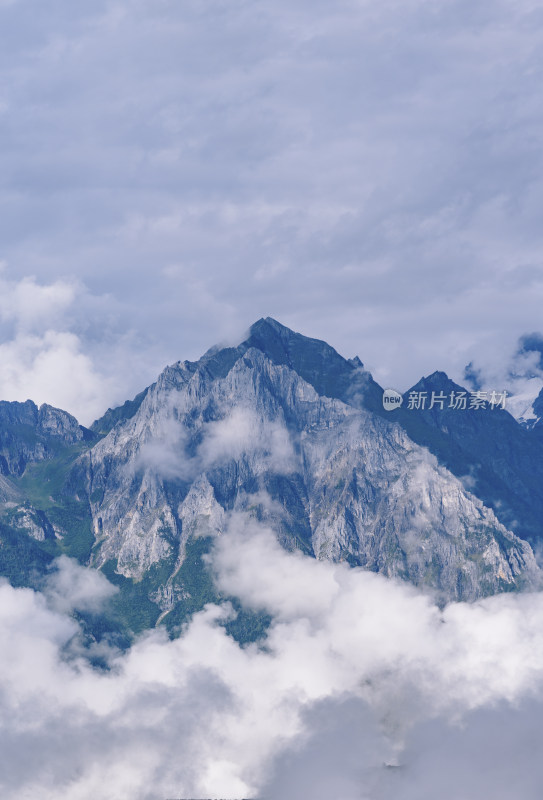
363 689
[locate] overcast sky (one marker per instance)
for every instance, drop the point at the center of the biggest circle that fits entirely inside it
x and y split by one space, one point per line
368 172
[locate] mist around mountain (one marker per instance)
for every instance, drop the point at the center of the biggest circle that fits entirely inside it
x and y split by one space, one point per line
286 430
252 580
521 376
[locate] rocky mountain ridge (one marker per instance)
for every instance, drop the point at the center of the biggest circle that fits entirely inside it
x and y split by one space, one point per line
340 482
285 429
29 434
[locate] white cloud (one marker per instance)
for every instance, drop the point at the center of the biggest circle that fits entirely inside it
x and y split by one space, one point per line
51 353
52 369
515 370
357 671
31 305
71 586
163 452
241 432
369 173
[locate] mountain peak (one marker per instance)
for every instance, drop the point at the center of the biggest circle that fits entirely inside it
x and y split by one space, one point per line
271 336
269 323
276 340
436 380
314 360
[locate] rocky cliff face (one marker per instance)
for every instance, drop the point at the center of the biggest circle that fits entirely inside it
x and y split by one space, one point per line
29 434
496 457
535 416
260 428
286 430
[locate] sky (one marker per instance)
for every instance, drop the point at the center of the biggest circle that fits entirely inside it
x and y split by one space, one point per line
368 173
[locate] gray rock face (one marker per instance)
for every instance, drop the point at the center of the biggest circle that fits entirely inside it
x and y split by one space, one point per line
246 429
536 416
29 434
501 461
8 493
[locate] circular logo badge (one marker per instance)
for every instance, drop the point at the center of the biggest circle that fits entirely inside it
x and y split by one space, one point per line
391 399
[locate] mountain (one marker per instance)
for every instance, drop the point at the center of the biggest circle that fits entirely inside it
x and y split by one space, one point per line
284 428
36 444
537 409
112 416
498 459
522 377
532 416
29 434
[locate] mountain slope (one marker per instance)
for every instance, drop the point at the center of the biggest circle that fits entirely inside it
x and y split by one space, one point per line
242 429
285 429
487 449
29 434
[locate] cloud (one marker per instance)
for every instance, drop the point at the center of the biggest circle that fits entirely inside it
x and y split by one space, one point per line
452 761
59 345
517 370
29 304
347 606
51 368
71 586
241 432
368 173
164 451
356 672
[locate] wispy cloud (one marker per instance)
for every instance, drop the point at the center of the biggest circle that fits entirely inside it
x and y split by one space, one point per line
240 433
357 671
71 587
